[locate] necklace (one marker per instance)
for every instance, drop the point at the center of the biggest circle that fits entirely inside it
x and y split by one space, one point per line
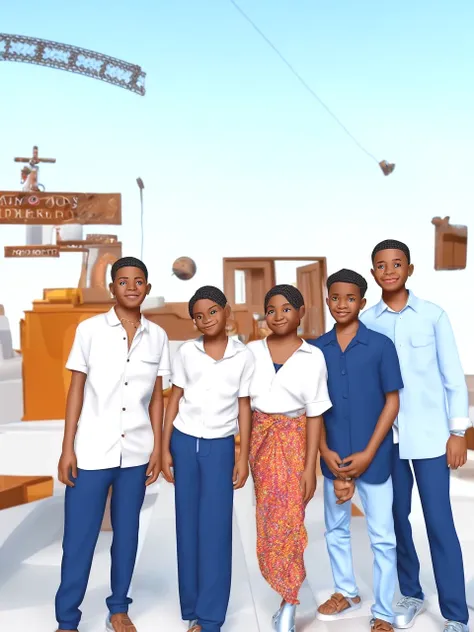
135 323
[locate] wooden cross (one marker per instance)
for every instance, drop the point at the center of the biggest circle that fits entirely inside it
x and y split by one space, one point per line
35 160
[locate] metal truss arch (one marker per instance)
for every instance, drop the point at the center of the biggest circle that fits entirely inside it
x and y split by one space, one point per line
32 50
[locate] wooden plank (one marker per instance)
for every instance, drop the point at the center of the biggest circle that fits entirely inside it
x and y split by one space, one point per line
31 252
19 490
49 208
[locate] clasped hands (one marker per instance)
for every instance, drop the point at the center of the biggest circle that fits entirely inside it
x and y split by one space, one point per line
345 470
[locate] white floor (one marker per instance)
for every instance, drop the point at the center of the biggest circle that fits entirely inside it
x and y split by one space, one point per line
30 541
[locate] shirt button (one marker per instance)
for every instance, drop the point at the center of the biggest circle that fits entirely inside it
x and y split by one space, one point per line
343 372
123 435
128 360
126 383
344 396
124 409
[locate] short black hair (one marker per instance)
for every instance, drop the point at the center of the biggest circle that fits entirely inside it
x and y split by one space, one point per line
291 293
391 244
207 292
128 262
348 276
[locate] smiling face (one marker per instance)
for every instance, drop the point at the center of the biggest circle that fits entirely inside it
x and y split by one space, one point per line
345 302
391 270
281 317
210 318
130 287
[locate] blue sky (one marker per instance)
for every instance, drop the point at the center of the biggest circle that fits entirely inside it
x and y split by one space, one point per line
237 158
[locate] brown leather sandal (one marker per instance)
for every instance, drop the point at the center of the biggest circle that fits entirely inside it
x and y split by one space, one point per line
336 606
378 625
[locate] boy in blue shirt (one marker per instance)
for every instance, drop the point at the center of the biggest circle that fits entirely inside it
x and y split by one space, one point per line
429 432
363 381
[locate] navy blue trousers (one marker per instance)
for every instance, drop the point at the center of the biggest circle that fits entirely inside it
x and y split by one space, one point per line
432 478
204 495
83 515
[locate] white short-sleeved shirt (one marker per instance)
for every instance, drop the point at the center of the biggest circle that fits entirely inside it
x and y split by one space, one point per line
299 387
114 427
209 406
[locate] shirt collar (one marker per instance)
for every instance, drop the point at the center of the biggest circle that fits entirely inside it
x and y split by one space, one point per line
113 320
412 303
361 336
233 347
305 346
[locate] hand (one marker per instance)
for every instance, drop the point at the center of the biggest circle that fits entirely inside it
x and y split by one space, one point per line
308 485
67 466
344 491
333 461
456 451
167 466
241 473
355 465
154 468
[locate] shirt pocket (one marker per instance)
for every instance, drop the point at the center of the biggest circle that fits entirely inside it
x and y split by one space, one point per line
148 365
423 347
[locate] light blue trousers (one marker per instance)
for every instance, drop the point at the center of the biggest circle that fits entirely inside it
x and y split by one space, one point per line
377 503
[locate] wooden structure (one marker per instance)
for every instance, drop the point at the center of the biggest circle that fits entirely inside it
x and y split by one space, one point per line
450 245
260 276
19 490
47 333
29 175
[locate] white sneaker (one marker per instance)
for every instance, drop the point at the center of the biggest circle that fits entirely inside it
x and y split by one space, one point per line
455 626
408 609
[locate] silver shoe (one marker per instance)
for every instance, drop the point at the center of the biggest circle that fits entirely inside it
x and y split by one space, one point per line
455 626
284 619
192 623
408 609
275 618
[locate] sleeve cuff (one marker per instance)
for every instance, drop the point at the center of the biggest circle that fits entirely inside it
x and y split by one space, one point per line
177 383
459 424
163 372
392 388
315 409
81 368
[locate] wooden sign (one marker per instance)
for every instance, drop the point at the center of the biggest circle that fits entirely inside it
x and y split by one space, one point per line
41 208
31 252
450 245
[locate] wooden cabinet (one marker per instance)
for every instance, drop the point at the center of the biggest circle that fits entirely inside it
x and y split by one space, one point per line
450 245
47 333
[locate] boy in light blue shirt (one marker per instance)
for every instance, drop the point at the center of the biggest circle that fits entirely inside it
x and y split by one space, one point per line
429 433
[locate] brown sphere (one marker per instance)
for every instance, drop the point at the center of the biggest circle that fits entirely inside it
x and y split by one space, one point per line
184 268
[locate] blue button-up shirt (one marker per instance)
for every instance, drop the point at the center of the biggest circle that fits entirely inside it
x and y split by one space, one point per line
434 400
358 380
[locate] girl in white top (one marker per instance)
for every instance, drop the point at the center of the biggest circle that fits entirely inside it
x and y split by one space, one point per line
288 396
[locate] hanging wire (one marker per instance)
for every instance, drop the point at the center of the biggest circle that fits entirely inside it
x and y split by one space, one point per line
302 81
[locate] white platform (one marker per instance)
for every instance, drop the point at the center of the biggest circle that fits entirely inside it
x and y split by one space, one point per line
30 553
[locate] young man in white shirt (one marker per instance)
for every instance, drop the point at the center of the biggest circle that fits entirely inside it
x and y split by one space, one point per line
112 438
208 405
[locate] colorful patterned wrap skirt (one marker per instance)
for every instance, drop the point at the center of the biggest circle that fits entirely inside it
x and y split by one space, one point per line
277 460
